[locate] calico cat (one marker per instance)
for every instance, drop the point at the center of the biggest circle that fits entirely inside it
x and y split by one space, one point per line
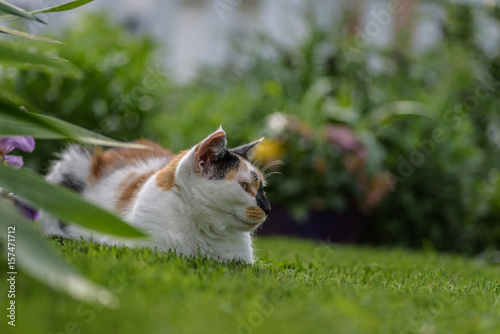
207 199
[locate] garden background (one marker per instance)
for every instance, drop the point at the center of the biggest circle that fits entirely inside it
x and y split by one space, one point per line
384 115
388 118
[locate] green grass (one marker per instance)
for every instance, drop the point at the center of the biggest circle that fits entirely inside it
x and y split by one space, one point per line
296 287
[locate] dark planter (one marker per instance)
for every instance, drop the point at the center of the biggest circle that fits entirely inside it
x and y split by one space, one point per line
339 227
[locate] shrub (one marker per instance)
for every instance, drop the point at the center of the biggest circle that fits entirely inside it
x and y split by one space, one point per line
120 89
417 117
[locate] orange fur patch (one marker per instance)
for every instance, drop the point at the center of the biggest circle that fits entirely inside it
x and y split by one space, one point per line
243 166
166 177
261 177
104 162
255 213
253 190
231 175
125 183
129 194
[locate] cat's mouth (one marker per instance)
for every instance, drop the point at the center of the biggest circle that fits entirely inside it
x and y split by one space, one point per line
248 225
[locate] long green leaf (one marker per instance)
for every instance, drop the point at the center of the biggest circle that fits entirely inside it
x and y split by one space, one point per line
19 58
397 109
14 10
63 203
58 8
26 35
36 258
15 122
15 100
62 8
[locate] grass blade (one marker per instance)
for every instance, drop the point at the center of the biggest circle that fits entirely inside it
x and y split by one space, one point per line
58 8
20 58
62 8
14 10
26 35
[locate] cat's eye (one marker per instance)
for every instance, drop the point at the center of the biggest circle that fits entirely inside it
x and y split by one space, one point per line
244 185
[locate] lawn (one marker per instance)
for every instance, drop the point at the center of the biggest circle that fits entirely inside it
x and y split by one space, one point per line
296 286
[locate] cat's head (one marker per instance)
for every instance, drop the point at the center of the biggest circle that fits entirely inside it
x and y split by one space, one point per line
223 183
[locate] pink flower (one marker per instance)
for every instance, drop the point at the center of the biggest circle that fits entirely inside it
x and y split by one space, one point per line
344 137
7 144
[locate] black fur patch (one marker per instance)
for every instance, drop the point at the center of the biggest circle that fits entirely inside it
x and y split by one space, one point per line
70 182
63 226
223 164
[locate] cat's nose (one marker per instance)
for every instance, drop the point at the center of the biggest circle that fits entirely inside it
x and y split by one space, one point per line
263 203
267 209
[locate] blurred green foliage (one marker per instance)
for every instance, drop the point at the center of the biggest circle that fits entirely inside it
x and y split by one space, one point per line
427 123
121 87
28 191
429 119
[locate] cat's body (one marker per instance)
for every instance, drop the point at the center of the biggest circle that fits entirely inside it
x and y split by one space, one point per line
204 200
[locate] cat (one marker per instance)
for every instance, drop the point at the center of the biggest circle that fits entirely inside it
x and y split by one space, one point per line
205 200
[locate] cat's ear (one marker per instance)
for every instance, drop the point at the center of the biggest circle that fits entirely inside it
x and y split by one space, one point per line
210 149
247 150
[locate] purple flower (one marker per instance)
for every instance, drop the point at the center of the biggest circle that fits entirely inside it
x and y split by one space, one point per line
22 206
27 211
26 144
7 144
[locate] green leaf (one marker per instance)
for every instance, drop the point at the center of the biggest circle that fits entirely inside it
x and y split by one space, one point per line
12 56
14 10
16 122
332 109
63 203
58 8
312 99
62 8
15 100
389 112
26 35
36 258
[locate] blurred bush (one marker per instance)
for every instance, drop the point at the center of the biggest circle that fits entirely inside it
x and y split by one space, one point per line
120 90
410 142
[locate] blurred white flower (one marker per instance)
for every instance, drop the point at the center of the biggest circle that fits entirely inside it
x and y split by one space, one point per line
277 122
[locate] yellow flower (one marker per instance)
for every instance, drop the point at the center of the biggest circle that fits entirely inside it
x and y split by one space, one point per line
269 150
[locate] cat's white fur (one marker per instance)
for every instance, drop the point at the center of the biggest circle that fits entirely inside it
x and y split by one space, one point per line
197 216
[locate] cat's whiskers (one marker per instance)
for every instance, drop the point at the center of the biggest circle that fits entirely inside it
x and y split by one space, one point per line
272 164
257 163
271 173
269 165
